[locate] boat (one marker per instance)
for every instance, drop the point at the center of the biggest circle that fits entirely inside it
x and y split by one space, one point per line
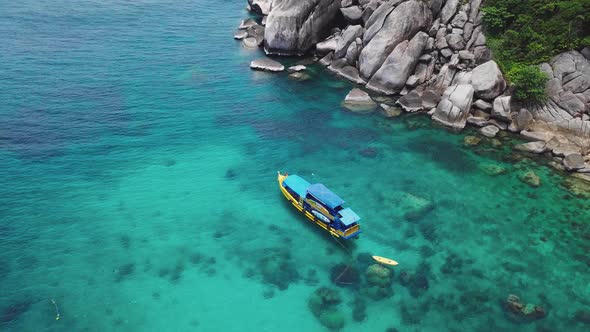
320 205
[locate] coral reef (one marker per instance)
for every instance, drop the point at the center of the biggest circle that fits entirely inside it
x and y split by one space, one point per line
277 269
323 303
379 280
521 312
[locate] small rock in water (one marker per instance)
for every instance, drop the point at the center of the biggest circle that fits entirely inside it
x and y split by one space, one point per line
390 111
266 64
530 178
296 68
358 100
533 147
250 42
240 35
489 131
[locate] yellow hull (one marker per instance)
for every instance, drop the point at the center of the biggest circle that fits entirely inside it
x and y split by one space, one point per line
385 261
299 206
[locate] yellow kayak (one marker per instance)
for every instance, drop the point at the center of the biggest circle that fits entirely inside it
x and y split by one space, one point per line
384 260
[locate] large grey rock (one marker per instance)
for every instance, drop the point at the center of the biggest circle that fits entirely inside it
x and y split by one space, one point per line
475 4
453 109
294 26
328 45
573 162
430 99
352 53
398 66
586 52
349 35
501 108
487 81
435 6
348 72
467 31
441 43
571 103
352 14
402 23
446 53
459 20
267 65
533 147
444 78
412 102
448 11
524 119
370 8
482 54
261 7
257 32
477 121
483 105
466 55
377 19
455 41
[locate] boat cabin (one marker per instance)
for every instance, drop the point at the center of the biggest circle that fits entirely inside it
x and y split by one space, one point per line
323 206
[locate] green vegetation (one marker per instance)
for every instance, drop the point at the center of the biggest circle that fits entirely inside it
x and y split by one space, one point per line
527 81
523 33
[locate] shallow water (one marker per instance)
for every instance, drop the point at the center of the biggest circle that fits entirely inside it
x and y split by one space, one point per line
138 158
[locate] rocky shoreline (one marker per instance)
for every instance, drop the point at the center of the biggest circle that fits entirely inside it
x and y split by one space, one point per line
433 56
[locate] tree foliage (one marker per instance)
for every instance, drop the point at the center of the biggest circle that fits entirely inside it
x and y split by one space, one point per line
532 31
527 82
522 33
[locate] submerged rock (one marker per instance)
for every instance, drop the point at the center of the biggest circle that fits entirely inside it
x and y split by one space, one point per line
521 312
471 140
492 169
530 178
323 303
578 184
379 279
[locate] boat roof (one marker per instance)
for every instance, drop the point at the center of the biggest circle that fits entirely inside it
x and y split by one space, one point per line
348 216
324 194
297 184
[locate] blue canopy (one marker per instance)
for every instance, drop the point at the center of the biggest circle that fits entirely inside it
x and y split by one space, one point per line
325 196
348 216
297 184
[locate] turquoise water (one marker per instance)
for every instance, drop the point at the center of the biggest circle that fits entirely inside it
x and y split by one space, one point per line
138 159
